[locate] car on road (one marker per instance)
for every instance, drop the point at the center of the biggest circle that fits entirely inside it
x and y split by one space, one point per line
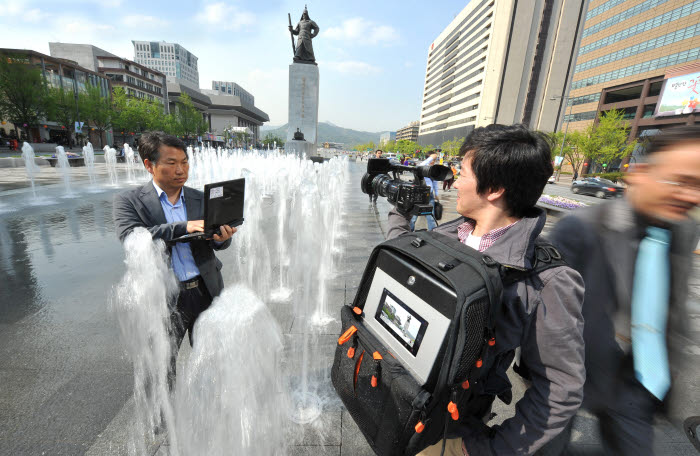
552 179
601 188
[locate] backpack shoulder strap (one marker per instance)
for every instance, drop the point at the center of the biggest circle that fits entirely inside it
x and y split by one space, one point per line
546 257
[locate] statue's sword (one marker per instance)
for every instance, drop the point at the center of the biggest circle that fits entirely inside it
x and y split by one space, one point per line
294 48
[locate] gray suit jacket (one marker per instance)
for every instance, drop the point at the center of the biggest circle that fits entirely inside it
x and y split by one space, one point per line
601 243
140 207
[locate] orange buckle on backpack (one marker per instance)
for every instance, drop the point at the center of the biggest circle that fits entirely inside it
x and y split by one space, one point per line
374 381
452 408
347 335
376 356
479 363
492 342
465 384
351 352
419 427
357 310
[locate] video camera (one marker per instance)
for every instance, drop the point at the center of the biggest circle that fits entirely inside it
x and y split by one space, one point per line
410 198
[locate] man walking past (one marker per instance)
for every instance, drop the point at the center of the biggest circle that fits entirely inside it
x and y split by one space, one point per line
634 254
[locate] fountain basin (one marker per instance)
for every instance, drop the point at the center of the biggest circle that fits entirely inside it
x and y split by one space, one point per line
77 161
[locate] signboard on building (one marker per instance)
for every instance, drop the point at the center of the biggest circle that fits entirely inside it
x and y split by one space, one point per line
679 96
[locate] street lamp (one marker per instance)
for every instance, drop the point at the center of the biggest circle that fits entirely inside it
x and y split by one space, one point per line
561 152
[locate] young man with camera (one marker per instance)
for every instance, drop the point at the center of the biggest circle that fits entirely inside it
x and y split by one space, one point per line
504 170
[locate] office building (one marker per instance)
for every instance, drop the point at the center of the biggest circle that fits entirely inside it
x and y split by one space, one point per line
60 73
221 112
177 63
136 80
231 88
500 61
409 132
642 57
387 136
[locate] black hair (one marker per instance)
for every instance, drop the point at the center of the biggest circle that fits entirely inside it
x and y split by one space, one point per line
149 145
672 136
512 158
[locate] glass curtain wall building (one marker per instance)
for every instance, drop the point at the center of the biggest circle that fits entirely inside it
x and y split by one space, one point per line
628 49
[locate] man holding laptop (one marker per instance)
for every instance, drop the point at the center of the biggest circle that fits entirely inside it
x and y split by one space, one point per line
169 210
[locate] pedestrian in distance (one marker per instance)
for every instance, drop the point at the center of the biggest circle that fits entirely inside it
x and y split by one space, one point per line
373 197
634 254
504 170
433 184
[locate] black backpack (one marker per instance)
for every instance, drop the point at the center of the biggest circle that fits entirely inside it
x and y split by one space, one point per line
397 414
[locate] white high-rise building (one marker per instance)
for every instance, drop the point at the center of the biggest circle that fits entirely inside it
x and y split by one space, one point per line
177 63
501 61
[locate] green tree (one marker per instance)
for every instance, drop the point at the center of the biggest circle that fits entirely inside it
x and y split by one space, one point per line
189 118
612 133
62 107
23 98
271 139
451 147
574 144
96 109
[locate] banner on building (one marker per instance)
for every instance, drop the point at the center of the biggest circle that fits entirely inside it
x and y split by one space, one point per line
679 96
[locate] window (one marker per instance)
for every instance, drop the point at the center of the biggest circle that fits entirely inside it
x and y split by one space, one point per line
670 38
630 93
576 117
648 111
650 65
594 97
642 27
624 15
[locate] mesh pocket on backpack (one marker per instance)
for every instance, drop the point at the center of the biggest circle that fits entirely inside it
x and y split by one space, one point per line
473 323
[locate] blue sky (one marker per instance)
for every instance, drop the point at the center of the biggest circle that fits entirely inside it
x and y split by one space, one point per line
371 54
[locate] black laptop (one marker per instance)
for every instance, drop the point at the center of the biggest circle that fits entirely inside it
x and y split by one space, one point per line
223 205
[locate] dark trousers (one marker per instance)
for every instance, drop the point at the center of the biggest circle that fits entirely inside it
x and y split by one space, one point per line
626 425
190 303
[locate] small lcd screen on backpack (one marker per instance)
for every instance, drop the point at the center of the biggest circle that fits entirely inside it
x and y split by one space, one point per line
401 321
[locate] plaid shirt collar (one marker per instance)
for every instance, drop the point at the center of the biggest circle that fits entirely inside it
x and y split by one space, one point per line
487 240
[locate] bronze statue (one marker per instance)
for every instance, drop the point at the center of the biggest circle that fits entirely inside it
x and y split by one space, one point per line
306 30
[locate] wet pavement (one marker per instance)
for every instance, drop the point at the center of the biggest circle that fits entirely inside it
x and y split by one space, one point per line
65 381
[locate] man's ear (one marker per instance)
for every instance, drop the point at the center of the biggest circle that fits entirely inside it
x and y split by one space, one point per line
149 165
494 195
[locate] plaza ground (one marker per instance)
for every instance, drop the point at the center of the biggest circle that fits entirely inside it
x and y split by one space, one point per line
66 381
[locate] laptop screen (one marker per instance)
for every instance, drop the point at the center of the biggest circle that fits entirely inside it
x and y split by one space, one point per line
223 204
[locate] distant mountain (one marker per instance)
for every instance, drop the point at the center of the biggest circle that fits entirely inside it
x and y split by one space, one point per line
327 132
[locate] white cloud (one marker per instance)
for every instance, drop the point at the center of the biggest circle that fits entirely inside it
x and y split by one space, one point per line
34 15
362 31
21 10
352 67
227 16
80 27
140 20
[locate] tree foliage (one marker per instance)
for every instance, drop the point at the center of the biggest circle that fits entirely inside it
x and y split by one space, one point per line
271 140
62 106
96 109
451 147
23 97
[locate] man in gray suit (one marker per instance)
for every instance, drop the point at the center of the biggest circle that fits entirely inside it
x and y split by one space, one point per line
168 209
634 255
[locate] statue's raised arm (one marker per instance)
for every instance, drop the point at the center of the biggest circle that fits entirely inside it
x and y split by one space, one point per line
306 30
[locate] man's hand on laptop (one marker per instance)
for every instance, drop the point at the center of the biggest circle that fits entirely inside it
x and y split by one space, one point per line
226 233
195 226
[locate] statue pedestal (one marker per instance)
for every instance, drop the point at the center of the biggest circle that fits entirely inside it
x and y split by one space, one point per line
299 148
303 103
